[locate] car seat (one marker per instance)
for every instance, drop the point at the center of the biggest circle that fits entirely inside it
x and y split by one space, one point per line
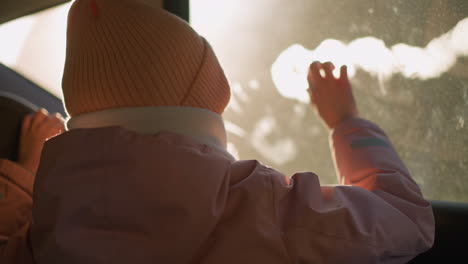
12 111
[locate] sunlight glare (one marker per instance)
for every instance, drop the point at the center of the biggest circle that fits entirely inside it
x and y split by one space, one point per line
280 151
13 35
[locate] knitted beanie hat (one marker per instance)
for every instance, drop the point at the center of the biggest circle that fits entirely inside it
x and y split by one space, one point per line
125 53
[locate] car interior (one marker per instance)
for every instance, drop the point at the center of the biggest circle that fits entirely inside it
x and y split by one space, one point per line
20 96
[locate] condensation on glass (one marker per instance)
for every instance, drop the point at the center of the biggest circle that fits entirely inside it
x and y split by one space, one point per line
408 65
407 59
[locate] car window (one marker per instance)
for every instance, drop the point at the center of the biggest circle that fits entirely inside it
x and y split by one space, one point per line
34 46
407 60
408 65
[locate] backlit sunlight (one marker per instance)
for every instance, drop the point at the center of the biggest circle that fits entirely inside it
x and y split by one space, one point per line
371 55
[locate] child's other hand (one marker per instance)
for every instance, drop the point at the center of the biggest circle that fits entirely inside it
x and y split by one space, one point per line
36 129
332 97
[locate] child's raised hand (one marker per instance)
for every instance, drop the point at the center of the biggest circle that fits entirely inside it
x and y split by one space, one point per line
332 97
36 129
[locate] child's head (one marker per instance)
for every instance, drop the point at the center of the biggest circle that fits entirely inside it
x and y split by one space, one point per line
124 53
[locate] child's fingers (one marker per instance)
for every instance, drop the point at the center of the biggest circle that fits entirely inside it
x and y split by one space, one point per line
314 71
53 131
52 123
60 127
328 67
57 129
314 75
59 116
26 123
344 73
39 117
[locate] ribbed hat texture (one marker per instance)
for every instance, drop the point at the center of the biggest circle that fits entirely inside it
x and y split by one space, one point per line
125 53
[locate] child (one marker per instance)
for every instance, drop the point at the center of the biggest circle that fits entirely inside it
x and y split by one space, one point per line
143 175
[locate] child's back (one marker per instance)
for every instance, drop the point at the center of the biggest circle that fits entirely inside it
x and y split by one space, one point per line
143 175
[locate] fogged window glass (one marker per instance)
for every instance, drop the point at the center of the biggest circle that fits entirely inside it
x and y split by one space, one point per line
408 65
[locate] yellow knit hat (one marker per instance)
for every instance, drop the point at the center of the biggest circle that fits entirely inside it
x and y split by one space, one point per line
125 53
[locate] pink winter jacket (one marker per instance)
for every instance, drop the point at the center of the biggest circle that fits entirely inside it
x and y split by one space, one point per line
110 195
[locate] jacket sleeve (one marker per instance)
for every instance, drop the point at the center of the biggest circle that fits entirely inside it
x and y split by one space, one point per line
377 214
15 212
